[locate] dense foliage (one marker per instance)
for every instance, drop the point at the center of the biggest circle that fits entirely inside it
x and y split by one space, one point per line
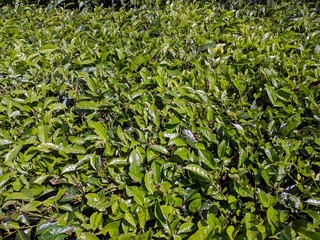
184 122
90 4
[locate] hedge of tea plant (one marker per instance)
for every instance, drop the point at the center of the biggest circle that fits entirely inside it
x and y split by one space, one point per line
91 3
182 122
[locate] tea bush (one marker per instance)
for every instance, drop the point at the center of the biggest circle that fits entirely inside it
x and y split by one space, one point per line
186 121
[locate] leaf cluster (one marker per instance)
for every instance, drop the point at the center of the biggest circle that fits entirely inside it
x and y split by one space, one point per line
90 4
190 121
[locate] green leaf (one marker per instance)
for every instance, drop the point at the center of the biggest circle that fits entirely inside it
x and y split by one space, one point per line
96 220
111 228
308 233
199 171
142 216
266 199
17 196
159 214
133 191
179 142
195 205
121 135
66 207
148 181
313 201
222 149
160 149
87 105
286 233
4 179
203 233
244 190
88 236
289 127
89 81
50 236
135 174
207 158
47 48
43 133
129 218
135 158
75 149
190 138
273 218
137 62
186 227
49 147
5 142
315 215
127 236
57 107
53 231
271 94
156 170
239 128
95 201
120 53
39 180
100 130
230 232
60 194
10 156
251 226
153 113
21 235
232 199
31 206
94 161
117 161
183 153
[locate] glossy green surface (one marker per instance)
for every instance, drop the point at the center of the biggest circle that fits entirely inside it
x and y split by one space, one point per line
185 122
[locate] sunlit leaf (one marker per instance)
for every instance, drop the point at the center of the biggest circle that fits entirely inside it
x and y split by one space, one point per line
199 171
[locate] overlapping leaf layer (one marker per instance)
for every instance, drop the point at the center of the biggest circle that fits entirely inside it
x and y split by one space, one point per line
181 122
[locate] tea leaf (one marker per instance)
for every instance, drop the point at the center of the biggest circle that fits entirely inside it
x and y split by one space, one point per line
199 171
